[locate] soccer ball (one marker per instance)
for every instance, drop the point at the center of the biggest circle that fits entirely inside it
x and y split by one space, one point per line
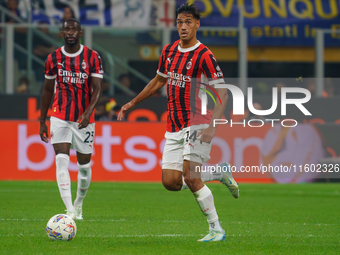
61 227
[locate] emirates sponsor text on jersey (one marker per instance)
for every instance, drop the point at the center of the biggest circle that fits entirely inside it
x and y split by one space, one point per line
73 77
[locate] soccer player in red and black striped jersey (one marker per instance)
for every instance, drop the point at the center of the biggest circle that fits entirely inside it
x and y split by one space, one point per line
188 68
73 74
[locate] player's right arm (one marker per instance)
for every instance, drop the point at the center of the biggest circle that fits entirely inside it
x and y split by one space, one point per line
153 86
46 95
45 101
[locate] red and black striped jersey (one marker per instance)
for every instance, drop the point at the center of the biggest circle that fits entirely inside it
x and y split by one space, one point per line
186 69
72 74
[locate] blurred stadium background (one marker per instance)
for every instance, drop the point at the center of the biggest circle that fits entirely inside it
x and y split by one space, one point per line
258 44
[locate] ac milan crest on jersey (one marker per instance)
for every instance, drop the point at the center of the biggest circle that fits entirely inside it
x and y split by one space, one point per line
189 65
83 65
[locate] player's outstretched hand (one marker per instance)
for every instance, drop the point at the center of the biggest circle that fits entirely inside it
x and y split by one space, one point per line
124 109
206 135
43 132
83 120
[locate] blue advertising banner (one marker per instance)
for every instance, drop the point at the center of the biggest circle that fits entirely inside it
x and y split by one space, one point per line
269 22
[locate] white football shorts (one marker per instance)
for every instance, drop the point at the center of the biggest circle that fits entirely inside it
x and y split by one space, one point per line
67 132
185 145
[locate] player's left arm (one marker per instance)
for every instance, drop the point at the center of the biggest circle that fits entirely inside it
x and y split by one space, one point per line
96 82
208 134
97 91
215 76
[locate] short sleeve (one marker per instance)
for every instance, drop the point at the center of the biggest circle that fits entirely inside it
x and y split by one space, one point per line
50 68
161 65
96 65
211 69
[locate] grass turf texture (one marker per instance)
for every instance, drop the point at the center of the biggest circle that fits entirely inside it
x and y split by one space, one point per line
144 218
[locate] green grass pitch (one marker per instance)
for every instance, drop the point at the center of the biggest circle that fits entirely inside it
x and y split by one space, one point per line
144 218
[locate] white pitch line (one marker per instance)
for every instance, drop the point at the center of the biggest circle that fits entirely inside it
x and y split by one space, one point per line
109 220
144 235
113 220
198 235
187 221
298 192
175 235
111 236
281 223
22 219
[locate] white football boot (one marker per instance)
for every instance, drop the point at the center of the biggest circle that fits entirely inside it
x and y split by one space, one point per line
213 236
228 180
79 212
71 213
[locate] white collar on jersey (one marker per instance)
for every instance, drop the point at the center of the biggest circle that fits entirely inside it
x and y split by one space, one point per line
72 55
188 49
